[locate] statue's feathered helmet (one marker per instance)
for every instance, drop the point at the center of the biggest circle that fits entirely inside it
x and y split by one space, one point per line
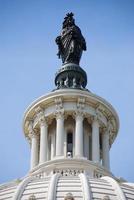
68 20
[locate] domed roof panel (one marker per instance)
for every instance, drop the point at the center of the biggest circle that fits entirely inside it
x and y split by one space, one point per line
101 188
69 184
128 191
58 187
37 187
7 190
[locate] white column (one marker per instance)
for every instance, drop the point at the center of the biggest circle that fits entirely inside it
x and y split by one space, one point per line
59 134
79 135
105 150
43 141
95 140
34 150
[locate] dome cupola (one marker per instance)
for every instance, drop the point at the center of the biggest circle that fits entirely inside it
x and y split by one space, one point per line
71 129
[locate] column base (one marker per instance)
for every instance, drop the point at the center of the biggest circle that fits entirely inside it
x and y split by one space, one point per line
80 157
58 157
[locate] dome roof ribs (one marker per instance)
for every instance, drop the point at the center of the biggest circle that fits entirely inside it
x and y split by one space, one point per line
85 187
119 193
21 187
52 187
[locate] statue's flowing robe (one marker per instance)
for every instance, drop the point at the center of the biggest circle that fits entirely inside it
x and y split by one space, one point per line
73 43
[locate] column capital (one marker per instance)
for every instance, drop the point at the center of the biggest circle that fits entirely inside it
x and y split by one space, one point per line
58 104
95 118
104 130
42 121
59 114
34 134
59 110
40 116
31 131
79 114
80 107
30 126
81 103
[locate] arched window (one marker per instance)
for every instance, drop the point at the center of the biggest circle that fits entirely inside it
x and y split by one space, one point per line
69 144
69 196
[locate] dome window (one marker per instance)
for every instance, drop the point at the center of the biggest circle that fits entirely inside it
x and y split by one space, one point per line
69 196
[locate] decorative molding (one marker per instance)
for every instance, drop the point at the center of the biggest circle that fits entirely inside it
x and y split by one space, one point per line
30 127
103 110
111 121
100 116
59 110
81 103
97 174
39 175
59 104
27 123
109 127
68 172
38 109
79 108
108 130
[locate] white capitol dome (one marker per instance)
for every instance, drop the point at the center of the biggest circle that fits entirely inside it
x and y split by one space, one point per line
62 187
56 177
70 132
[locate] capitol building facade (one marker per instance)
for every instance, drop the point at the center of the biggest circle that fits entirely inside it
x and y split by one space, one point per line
70 132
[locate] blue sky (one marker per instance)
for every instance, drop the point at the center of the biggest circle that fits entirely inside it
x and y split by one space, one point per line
28 63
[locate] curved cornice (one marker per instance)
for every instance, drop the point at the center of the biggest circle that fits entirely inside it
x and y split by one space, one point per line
100 105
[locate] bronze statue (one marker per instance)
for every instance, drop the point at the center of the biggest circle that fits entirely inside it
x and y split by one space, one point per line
70 43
